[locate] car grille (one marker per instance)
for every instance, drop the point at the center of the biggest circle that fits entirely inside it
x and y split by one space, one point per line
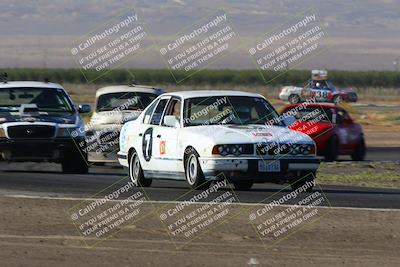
31 131
273 149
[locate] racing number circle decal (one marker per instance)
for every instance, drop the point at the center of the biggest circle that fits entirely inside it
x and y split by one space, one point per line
147 143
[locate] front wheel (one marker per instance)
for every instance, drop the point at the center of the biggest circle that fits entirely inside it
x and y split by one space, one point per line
136 172
359 151
74 163
332 149
193 173
294 99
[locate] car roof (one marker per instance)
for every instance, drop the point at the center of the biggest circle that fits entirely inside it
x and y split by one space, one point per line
128 88
210 93
30 84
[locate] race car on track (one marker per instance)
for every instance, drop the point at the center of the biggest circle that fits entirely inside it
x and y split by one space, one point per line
115 105
200 136
36 121
331 127
320 88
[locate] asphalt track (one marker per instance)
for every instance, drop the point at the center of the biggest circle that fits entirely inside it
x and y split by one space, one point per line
46 180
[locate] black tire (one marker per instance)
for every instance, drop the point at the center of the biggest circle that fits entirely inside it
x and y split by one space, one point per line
359 151
303 179
74 162
136 172
193 173
294 99
337 99
243 185
332 149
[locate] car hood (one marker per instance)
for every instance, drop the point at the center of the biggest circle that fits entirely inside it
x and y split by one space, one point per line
237 134
59 118
112 117
311 129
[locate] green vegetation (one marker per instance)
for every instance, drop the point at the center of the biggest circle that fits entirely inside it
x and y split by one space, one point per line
361 79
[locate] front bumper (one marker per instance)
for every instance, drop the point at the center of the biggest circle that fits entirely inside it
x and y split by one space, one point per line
37 150
103 145
239 169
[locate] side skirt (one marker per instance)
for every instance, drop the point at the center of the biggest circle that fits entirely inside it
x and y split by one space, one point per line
164 175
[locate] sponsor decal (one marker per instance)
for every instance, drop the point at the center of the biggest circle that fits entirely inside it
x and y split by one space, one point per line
162 148
147 144
264 135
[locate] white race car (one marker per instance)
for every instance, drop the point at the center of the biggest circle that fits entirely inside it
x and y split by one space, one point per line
201 136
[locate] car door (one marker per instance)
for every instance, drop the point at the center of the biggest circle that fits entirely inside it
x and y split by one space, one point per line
147 143
165 151
321 91
345 130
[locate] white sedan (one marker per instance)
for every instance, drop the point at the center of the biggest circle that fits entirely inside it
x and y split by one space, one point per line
204 136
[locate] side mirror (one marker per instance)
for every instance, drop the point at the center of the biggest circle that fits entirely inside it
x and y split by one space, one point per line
171 121
289 120
84 108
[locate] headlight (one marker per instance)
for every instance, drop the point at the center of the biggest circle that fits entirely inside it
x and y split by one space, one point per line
306 149
2 132
236 150
69 132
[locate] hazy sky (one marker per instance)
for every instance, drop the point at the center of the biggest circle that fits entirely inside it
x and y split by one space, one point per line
362 34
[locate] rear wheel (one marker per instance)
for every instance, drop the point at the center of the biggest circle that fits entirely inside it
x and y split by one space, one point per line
337 99
136 172
305 180
294 99
359 151
74 163
193 173
332 149
243 185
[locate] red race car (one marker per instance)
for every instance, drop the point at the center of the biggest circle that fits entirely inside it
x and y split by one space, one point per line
331 127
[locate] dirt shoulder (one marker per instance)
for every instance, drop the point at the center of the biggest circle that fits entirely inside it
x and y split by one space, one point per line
370 174
37 232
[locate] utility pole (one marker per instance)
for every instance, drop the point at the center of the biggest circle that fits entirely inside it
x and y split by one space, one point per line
45 58
396 63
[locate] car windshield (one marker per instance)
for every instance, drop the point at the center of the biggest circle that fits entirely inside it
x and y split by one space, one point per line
46 99
124 101
310 113
238 110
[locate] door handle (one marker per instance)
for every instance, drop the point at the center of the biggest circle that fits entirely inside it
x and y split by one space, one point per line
140 134
159 136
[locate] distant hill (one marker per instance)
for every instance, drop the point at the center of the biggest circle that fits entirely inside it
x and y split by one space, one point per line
362 34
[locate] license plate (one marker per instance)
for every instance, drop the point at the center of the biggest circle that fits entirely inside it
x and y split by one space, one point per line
269 166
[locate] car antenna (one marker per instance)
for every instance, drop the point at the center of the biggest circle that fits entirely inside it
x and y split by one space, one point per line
46 80
4 78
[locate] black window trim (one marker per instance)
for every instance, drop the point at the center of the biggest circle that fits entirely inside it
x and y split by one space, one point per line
174 97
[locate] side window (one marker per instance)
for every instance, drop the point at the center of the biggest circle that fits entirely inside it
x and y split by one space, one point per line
342 116
149 111
158 112
174 109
